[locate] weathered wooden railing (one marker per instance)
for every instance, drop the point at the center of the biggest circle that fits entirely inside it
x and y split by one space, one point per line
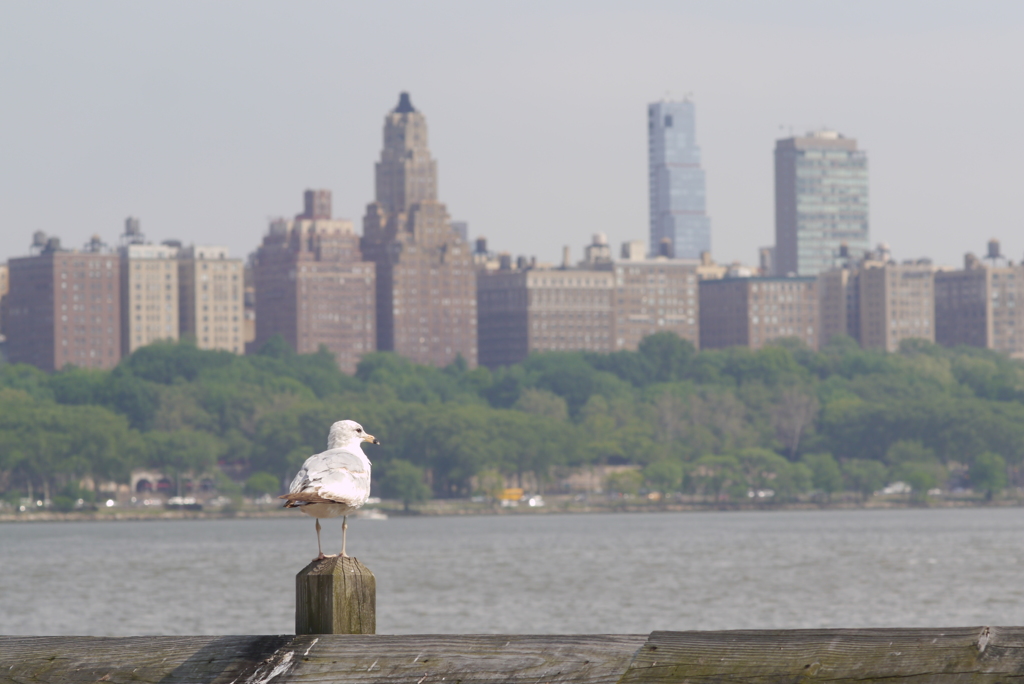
967 654
335 621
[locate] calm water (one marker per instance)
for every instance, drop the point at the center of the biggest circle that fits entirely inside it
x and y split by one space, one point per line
527 574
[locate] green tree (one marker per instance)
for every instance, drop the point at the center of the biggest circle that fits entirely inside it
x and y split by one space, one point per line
490 483
716 475
542 403
565 374
183 453
226 486
917 465
79 386
262 483
29 379
909 451
988 474
276 347
667 356
793 414
664 476
47 446
863 476
627 365
762 469
921 477
825 473
404 481
67 499
624 482
168 362
664 404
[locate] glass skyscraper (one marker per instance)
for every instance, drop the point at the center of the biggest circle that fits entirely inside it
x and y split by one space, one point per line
679 222
821 202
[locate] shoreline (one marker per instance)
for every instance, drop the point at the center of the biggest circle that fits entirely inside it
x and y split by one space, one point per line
443 508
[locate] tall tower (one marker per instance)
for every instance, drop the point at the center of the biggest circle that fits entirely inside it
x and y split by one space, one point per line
426 284
821 202
678 207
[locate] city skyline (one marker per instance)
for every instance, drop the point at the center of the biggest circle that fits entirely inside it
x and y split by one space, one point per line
315 287
536 151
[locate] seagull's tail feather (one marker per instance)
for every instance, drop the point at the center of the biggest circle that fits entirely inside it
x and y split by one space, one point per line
296 499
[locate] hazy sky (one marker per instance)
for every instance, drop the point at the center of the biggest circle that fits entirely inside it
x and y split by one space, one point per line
207 118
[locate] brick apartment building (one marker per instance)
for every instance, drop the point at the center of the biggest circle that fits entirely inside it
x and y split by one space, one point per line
312 286
64 307
839 304
750 312
877 301
897 302
523 311
981 305
426 284
600 305
654 295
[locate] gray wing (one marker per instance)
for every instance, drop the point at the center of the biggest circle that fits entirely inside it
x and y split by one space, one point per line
334 458
336 474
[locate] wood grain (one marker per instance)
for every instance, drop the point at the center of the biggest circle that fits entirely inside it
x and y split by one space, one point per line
915 656
314 659
335 596
963 654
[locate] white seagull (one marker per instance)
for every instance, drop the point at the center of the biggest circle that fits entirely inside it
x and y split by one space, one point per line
335 482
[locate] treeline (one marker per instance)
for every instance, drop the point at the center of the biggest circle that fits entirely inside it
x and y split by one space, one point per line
722 423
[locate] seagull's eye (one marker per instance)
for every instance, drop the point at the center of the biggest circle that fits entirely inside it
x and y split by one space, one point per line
359 429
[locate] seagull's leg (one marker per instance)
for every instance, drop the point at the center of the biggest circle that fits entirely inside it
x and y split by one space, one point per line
320 551
344 530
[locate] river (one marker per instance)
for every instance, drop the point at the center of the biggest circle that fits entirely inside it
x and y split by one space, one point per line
599 573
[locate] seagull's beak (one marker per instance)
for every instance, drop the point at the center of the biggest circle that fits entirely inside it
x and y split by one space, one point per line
371 439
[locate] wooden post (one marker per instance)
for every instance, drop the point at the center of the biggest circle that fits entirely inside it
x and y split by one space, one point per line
335 596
